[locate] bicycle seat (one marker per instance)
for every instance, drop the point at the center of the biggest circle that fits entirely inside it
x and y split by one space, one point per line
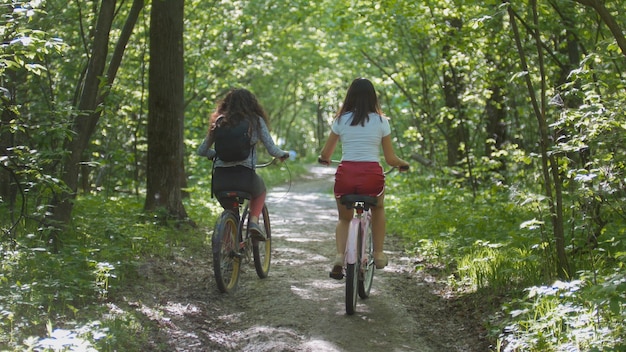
233 194
349 199
231 199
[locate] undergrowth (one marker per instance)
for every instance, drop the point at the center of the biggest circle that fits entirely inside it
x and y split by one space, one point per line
62 301
492 247
495 245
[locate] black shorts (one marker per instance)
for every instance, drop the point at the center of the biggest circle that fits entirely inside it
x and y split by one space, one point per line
237 178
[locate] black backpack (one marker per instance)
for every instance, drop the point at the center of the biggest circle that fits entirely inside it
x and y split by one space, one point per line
232 142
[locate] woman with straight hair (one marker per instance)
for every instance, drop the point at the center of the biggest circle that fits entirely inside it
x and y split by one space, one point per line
362 129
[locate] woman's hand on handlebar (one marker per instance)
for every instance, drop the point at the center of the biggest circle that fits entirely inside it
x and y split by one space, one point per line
399 168
284 157
322 161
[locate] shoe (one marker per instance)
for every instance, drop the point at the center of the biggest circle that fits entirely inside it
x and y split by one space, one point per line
256 231
337 272
380 259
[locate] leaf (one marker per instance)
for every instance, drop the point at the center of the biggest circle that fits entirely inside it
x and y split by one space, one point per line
531 224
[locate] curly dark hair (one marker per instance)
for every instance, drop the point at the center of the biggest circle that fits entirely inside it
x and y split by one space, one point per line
238 104
360 99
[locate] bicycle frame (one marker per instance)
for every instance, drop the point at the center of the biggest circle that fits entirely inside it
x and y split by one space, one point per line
232 249
358 224
358 256
233 204
358 263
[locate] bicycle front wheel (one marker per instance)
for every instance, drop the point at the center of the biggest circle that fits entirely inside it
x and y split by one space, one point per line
262 250
226 257
367 262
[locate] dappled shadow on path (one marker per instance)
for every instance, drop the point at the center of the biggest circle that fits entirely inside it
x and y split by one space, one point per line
297 308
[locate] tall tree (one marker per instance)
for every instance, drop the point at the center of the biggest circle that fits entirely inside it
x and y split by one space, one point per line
549 163
89 110
165 168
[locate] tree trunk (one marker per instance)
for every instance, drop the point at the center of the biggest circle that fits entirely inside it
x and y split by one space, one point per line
9 183
320 125
496 126
452 130
549 163
7 138
84 122
166 109
88 112
452 90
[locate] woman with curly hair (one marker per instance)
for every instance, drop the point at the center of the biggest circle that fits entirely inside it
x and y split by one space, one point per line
237 105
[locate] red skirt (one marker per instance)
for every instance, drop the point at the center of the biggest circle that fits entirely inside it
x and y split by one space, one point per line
359 177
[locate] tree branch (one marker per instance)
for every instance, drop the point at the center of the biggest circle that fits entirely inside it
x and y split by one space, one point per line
609 20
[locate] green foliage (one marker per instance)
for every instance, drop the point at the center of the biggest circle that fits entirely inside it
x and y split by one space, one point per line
58 296
483 220
497 268
478 237
63 300
584 315
495 244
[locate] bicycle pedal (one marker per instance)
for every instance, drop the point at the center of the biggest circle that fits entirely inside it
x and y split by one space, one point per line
336 273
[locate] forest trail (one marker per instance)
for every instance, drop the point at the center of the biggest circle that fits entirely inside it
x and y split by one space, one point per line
298 308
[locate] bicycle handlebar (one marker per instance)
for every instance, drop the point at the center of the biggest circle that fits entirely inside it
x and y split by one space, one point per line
271 162
328 162
266 164
402 168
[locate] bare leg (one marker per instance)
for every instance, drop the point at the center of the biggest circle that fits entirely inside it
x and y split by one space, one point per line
341 236
343 225
256 207
378 232
378 224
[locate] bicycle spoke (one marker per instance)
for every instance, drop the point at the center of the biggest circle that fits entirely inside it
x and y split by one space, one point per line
226 259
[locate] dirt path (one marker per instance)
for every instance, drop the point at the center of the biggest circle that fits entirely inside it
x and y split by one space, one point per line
298 308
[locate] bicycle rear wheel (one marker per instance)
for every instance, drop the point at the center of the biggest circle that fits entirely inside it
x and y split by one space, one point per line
226 258
367 263
352 279
262 250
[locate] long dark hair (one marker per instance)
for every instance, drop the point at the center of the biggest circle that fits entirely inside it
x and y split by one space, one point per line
360 99
238 104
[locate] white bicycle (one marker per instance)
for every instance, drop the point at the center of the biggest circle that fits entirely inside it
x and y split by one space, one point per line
359 255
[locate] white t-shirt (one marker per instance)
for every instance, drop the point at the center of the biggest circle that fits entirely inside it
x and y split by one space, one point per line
361 143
